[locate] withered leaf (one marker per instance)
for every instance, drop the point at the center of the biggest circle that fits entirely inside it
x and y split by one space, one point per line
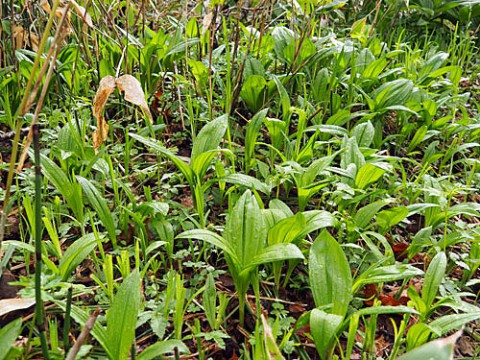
9 305
87 19
107 85
133 92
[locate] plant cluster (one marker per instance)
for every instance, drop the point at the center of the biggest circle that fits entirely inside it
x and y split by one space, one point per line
251 179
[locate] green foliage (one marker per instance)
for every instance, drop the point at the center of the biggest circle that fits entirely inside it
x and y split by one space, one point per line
343 132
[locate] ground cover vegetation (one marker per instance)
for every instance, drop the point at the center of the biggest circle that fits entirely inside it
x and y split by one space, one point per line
239 179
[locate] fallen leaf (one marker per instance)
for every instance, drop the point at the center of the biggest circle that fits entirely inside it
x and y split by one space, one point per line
400 251
107 85
9 305
133 92
370 291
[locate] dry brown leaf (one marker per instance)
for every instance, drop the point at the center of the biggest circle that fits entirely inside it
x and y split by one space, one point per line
207 21
19 35
133 92
34 40
9 305
87 19
46 6
107 85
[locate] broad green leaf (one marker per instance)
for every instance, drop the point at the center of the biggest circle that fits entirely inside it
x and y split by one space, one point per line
248 181
320 87
203 162
212 238
364 215
245 229
158 349
75 254
359 29
209 300
386 274
70 190
315 220
368 174
8 335
377 310
433 278
287 229
97 200
351 153
251 135
209 137
253 66
200 72
432 64
276 129
447 323
284 97
253 92
364 133
122 317
324 327
417 335
329 273
417 138
374 69
277 252
386 219
441 349
393 93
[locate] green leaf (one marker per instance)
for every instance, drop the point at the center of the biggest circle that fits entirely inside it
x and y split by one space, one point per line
253 92
377 310
447 323
364 133
441 349
386 219
122 317
161 348
248 181
245 229
251 135
364 215
97 200
386 273
368 174
393 93
329 272
417 138
286 230
212 238
284 97
70 190
324 327
8 335
209 300
277 252
209 137
359 29
75 254
433 278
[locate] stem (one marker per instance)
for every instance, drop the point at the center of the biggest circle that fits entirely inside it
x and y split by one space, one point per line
22 110
66 326
39 311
